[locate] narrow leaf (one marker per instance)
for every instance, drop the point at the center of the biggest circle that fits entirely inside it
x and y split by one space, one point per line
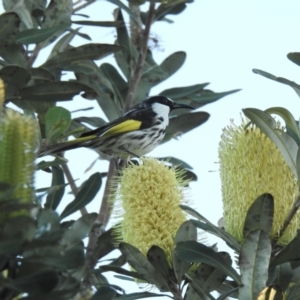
58 184
35 36
85 195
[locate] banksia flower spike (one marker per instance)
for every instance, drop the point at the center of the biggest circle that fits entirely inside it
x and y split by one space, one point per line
18 135
250 165
150 195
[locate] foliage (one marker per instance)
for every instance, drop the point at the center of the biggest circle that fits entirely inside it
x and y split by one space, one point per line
42 256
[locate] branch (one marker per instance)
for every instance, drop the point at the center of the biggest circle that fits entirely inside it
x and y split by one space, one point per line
73 186
137 74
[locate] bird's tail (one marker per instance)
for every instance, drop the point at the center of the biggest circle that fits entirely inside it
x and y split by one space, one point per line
64 146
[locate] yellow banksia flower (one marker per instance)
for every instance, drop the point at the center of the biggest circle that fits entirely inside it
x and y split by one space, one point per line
150 195
250 165
2 94
18 135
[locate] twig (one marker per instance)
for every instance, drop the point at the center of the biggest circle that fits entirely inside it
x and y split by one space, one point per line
135 79
99 227
104 212
73 186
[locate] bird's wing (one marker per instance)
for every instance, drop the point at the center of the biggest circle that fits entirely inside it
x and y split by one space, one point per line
133 120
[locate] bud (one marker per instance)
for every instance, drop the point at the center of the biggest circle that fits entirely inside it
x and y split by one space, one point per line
18 142
250 165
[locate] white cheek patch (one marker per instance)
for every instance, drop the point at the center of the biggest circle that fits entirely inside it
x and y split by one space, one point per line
163 111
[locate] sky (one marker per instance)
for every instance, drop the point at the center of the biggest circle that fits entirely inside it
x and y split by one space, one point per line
224 41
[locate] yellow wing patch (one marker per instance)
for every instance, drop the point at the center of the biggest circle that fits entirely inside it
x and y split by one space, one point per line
126 126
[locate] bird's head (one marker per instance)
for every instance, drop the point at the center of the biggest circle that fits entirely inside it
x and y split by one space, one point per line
162 103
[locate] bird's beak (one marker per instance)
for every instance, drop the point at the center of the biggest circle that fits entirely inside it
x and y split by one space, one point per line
178 105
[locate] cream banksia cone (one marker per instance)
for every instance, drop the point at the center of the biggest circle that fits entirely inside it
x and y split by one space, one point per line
250 165
149 195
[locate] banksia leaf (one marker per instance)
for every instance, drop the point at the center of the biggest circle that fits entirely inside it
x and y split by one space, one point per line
251 165
150 195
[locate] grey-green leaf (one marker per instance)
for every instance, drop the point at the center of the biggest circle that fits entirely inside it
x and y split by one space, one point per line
35 36
186 232
53 91
84 52
85 195
260 215
58 188
254 261
184 123
139 262
192 251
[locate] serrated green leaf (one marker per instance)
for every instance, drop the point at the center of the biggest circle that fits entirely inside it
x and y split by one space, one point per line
35 36
186 232
58 181
85 195
139 262
183 123
254 261
260 215
192 251
286 145
53 91
57 121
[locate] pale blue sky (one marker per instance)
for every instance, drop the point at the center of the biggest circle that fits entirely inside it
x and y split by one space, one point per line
224 41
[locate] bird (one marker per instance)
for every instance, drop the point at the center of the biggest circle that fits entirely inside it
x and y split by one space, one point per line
134 134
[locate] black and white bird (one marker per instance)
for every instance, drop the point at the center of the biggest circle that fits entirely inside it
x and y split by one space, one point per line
134 134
